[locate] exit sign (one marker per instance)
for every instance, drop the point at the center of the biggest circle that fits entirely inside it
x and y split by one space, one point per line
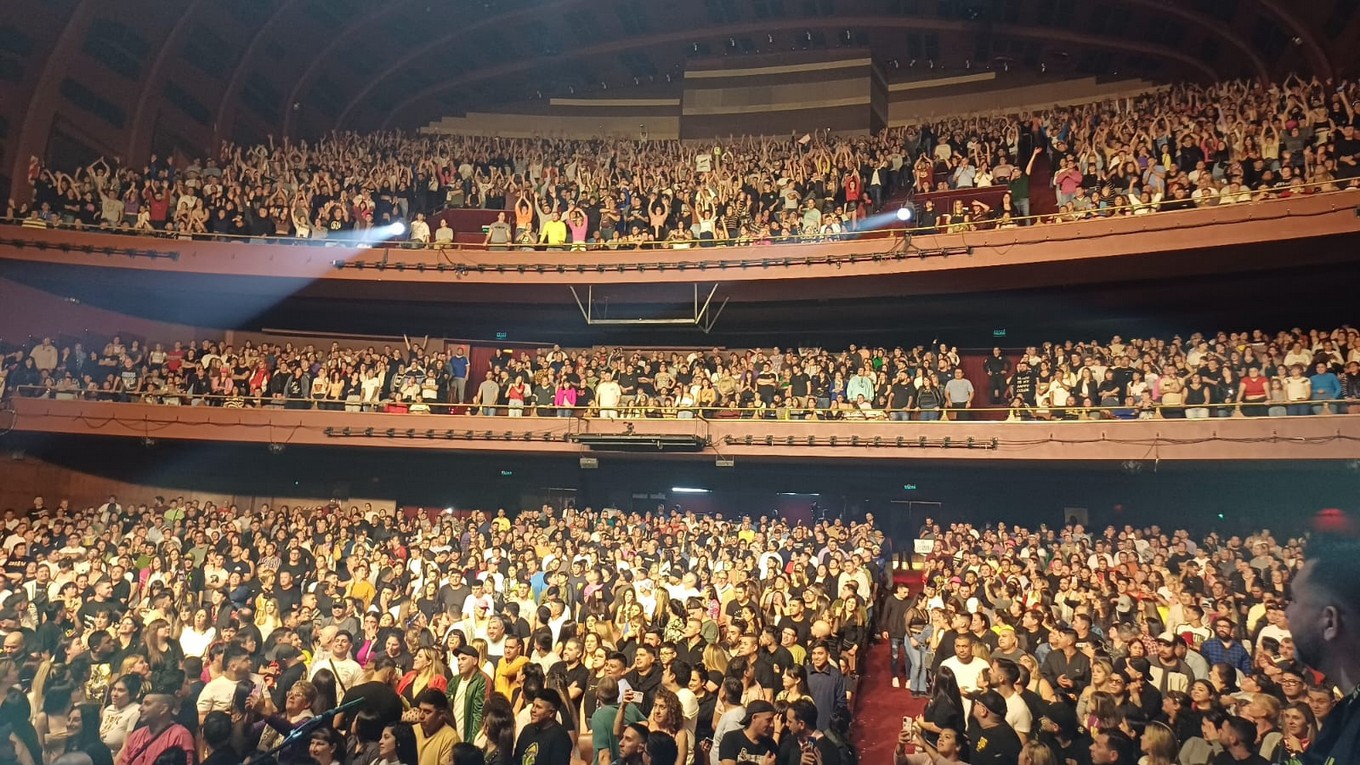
502 335
908 487
998 333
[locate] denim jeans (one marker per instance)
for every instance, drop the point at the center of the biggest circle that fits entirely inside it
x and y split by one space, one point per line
920 660
897 646
930 415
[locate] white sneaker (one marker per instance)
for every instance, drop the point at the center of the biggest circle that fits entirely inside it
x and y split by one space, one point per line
897 683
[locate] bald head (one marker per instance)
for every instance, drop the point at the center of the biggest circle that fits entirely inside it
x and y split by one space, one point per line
821 629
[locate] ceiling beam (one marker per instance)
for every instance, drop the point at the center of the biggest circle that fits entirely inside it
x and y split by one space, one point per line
1210 25
763 27
439 42
1312 49
139 138
40 110
229 107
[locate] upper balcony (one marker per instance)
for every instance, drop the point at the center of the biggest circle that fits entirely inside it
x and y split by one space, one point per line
1300 231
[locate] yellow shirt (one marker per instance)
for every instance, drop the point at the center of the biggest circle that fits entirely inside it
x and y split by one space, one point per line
554 232
437 749
506 674
363 590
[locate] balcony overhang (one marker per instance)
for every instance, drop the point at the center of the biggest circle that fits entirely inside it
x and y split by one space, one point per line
1300 231
1307 438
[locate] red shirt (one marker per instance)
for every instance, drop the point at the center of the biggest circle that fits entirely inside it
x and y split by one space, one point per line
1254 387
143 746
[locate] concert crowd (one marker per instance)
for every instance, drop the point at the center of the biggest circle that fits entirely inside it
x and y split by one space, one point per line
1174 148
183 631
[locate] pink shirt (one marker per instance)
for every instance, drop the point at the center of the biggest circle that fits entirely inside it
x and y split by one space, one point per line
143 746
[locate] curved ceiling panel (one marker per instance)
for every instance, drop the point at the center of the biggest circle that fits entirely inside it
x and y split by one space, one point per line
302 67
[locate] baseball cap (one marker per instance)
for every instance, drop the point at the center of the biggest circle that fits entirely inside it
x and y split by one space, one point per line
993 701
755 708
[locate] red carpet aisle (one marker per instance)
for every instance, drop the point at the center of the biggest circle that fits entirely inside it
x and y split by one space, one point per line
879 707
879 710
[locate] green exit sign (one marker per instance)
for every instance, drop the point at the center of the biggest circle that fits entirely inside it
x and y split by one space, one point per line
507 473
998 333
502 335
908 487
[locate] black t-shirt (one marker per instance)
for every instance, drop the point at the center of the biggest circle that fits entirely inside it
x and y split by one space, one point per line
791 752
16 566
580 676
543 745
998 746
1223 758
737 747
770 667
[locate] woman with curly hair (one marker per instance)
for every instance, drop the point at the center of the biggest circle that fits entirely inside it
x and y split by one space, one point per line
667 716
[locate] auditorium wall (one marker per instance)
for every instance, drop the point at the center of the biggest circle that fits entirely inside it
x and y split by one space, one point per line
23 477
1201 496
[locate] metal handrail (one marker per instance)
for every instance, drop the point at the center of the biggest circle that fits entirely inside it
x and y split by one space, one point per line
1310 189
628 411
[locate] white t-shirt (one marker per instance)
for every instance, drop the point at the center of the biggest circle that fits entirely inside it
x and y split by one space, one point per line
728 722
689 707
1018 715
217 695
967 676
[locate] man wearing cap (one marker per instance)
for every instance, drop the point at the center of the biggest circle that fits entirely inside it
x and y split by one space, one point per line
544 741
467 693
994 741
1168 672
752 742
1059 730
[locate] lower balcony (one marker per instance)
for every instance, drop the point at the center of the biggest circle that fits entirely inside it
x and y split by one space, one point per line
1298 438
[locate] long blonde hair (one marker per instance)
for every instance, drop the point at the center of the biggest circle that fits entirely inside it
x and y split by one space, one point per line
1161 744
